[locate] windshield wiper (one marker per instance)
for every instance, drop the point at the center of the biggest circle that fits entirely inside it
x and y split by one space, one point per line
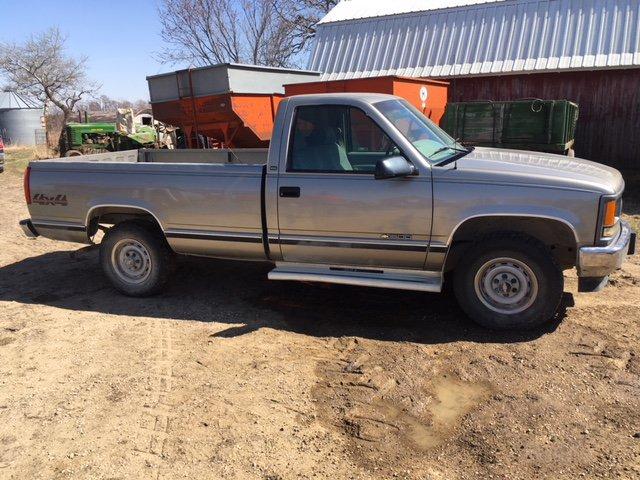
449 147
460 149
461 153
441 149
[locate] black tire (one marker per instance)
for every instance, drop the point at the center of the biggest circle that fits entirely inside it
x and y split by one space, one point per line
146 270
496 261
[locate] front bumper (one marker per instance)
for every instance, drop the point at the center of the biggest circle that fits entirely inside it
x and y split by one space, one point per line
28 228
601 261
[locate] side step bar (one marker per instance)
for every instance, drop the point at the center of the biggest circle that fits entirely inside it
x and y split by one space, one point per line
363 276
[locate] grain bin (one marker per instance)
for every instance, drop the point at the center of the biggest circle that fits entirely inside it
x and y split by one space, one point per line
231 104
20 120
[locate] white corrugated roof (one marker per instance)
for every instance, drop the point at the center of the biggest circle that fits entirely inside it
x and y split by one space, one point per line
354 9
510 36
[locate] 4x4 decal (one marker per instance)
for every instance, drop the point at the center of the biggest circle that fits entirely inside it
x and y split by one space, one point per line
42 199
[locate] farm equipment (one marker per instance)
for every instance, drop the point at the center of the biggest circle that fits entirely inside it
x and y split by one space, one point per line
529 124
428 96
124 134
233 105
224 105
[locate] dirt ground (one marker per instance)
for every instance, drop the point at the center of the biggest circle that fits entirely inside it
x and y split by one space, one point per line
228 375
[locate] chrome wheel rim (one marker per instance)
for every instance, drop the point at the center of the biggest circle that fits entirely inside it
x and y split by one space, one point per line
131 261
506 285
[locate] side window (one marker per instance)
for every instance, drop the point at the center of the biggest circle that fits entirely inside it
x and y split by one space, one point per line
365 135
336 139
318 140
367 142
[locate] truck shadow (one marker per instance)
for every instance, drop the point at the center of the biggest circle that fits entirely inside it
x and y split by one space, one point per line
239 294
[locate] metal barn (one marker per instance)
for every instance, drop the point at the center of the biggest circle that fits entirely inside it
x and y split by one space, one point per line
586 51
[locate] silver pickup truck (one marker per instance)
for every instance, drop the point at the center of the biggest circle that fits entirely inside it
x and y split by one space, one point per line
357 189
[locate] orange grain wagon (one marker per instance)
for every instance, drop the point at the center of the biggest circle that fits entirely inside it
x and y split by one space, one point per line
429 96
234 105
225 105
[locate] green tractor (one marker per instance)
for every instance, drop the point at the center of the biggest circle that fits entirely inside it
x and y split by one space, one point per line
87 138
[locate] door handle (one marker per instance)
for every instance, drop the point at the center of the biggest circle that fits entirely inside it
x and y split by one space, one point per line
290 192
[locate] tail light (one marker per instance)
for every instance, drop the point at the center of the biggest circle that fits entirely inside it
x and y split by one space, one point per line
1 144
27 185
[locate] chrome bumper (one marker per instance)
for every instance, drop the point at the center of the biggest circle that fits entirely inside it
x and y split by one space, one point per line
28 228
601 261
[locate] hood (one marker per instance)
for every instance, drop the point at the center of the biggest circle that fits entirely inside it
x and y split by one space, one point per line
536 168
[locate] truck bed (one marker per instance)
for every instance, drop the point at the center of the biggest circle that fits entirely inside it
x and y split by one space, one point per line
193 195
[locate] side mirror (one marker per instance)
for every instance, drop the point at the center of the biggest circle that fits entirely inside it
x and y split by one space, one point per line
393 167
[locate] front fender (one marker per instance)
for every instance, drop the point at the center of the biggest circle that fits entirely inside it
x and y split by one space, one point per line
455 203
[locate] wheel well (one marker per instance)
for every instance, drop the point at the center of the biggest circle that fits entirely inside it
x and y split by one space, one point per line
555 234
113 215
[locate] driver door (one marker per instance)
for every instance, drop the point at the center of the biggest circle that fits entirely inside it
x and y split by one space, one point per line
332 210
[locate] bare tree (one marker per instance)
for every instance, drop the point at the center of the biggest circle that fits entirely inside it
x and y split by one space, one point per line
140 106
300 17
205 32
40 69
107 103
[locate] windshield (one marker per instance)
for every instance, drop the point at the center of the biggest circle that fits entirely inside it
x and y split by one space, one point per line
429 139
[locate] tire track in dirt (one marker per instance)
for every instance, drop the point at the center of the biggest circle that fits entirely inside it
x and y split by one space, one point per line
156 414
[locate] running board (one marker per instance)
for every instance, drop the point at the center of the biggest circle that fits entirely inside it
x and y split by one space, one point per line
362 276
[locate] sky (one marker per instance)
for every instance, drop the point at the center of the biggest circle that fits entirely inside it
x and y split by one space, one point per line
120 38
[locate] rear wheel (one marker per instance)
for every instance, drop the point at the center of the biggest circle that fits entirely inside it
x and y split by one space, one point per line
511 282
136 259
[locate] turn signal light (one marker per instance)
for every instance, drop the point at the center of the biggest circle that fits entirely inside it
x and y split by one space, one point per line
609 214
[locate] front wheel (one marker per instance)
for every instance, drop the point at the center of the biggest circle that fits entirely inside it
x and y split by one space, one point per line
136 259
512 282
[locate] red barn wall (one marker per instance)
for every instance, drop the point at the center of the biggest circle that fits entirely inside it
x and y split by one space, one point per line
608 129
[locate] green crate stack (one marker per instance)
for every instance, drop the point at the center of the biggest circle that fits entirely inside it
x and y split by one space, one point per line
530 124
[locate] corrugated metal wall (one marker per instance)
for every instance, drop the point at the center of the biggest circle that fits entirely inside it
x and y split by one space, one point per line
21 126
608 128
490 38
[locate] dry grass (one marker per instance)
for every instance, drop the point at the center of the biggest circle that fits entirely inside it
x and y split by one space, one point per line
17 157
